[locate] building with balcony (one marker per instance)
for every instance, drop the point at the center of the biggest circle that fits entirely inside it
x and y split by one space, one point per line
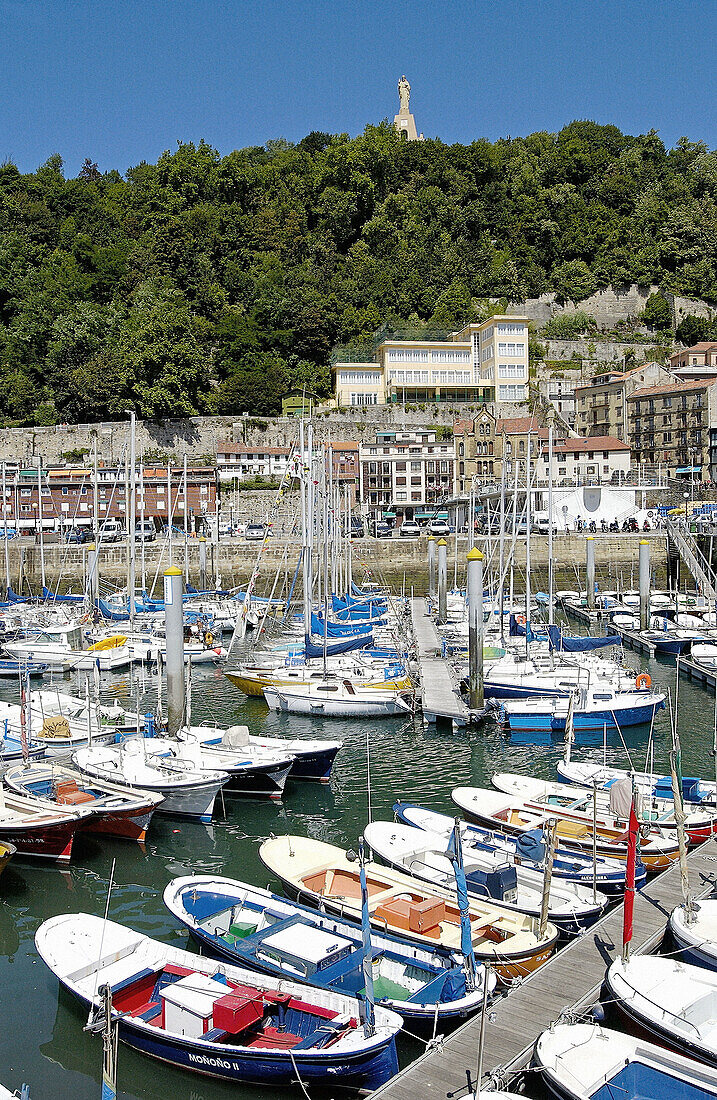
591 460
671 427
601 404
483 362
695 362
405 473
236 461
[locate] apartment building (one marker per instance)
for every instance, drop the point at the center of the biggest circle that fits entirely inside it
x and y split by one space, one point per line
591 460
344 459
601 405
237 461
702 356
405 472
481 363
478 451
64 497
673 426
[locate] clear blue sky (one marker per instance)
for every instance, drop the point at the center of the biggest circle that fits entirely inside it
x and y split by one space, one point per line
119 81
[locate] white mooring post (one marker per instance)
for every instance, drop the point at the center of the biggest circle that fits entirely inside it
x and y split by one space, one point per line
590 570
442 582
174 630
644 584
475 629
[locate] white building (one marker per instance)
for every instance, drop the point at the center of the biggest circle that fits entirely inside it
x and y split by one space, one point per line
405 472
486 362
240 462
591 460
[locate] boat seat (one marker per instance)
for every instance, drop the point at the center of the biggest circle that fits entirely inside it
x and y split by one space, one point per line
215 1035
127 982
572 828
153 1009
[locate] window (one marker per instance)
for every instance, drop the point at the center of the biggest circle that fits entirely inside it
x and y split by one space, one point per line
562 471
511 349
364 399
401 496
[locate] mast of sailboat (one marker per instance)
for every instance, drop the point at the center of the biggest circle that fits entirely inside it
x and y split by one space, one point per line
4 531
186 522
170 514
527 550
131 519
41 514
501 554
326 558
551 575
304 483
96 516
141 522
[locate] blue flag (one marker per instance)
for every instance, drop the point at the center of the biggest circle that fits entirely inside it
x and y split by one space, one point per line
455 854
369 1022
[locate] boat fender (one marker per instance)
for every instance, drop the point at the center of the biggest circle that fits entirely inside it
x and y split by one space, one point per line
644 680
598 1013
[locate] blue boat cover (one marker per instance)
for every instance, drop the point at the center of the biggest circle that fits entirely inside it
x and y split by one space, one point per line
531 845
48 595
580 645
109 613
315 647
336 630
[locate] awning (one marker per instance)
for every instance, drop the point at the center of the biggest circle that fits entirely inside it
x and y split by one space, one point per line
688 470
388 515
422 515
441 515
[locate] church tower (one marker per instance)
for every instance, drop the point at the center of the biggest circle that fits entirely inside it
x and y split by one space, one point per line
404 122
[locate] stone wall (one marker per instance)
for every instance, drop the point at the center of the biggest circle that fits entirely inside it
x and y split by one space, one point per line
609 306
597 355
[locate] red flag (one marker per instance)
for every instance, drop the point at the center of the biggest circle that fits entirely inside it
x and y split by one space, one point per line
632 836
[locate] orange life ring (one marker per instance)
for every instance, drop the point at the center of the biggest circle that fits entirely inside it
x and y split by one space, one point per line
520 619
644 680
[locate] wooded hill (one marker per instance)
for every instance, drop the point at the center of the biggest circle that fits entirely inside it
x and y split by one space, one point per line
210 284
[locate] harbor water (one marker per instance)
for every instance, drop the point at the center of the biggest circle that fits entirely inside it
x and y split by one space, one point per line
42 1040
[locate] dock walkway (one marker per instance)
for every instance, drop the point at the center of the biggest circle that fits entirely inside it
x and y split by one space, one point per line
440 698
570 981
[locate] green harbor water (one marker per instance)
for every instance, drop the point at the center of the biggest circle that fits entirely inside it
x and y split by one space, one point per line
42 1041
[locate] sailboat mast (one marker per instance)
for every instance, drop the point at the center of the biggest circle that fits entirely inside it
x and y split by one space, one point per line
132 519
527 550
551 601
4 527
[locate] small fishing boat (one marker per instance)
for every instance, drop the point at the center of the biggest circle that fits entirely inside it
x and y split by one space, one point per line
252 772
702 792
695 932
252 927
512 814
214 1018
592 709
186 791
310 759
20 669
526 850
668 1001
323 875
254 679
589 1062
338 699
38 829
111 808
7 851
657 812
488 875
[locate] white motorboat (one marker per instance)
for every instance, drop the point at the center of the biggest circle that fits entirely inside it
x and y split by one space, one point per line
312 759
337 699
695 932
488 875
252 771
187 792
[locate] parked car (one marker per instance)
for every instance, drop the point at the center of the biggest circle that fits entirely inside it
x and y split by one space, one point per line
79 535
438 528
357 531
145 531
255 532
112 531
383 530
409 530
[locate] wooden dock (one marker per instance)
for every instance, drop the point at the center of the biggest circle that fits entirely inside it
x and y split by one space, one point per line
569 982
632 639
441 701
695 670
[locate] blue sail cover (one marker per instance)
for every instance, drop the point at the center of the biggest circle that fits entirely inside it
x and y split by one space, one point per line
366 962
48 595
580 645
455 854
336 630
359 594
109 613
517 630
12 597
314 647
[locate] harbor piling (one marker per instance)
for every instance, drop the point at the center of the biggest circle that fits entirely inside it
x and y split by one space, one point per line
442 581
174 630
431 567
474 591
91 574
644 570
590 570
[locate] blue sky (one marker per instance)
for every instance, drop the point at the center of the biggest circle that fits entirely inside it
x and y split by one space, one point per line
122 80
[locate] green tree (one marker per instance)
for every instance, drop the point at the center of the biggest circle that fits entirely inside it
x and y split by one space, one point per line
657 313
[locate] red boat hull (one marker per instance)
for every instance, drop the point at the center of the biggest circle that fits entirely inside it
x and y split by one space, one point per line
49 841
128 824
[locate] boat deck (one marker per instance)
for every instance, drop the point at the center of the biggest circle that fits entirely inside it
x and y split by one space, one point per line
440 699
570 981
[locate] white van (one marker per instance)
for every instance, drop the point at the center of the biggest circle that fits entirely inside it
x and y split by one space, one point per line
112 530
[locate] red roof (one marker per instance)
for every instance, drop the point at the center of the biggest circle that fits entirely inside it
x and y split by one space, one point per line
236 449
518 425
591 443
702 345
463 427
672 387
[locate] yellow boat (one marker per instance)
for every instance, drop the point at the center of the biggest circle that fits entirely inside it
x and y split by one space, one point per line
7 851
253 680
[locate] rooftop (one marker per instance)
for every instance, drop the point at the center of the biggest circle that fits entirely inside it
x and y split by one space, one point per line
591 443
672 387
241 449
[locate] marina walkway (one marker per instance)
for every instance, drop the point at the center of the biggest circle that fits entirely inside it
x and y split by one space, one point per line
570 981
440 698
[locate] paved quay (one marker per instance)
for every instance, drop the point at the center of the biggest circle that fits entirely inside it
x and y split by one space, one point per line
569 982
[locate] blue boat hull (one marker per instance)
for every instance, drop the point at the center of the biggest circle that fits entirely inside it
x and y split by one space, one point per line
584 720
314 766
508 691
365 1070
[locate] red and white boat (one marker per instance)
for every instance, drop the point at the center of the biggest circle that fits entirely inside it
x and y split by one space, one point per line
38 829
110 808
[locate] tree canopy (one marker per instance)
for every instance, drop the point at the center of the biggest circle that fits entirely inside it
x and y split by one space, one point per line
214 284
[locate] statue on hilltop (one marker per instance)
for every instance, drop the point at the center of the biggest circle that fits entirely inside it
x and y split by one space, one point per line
404 92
